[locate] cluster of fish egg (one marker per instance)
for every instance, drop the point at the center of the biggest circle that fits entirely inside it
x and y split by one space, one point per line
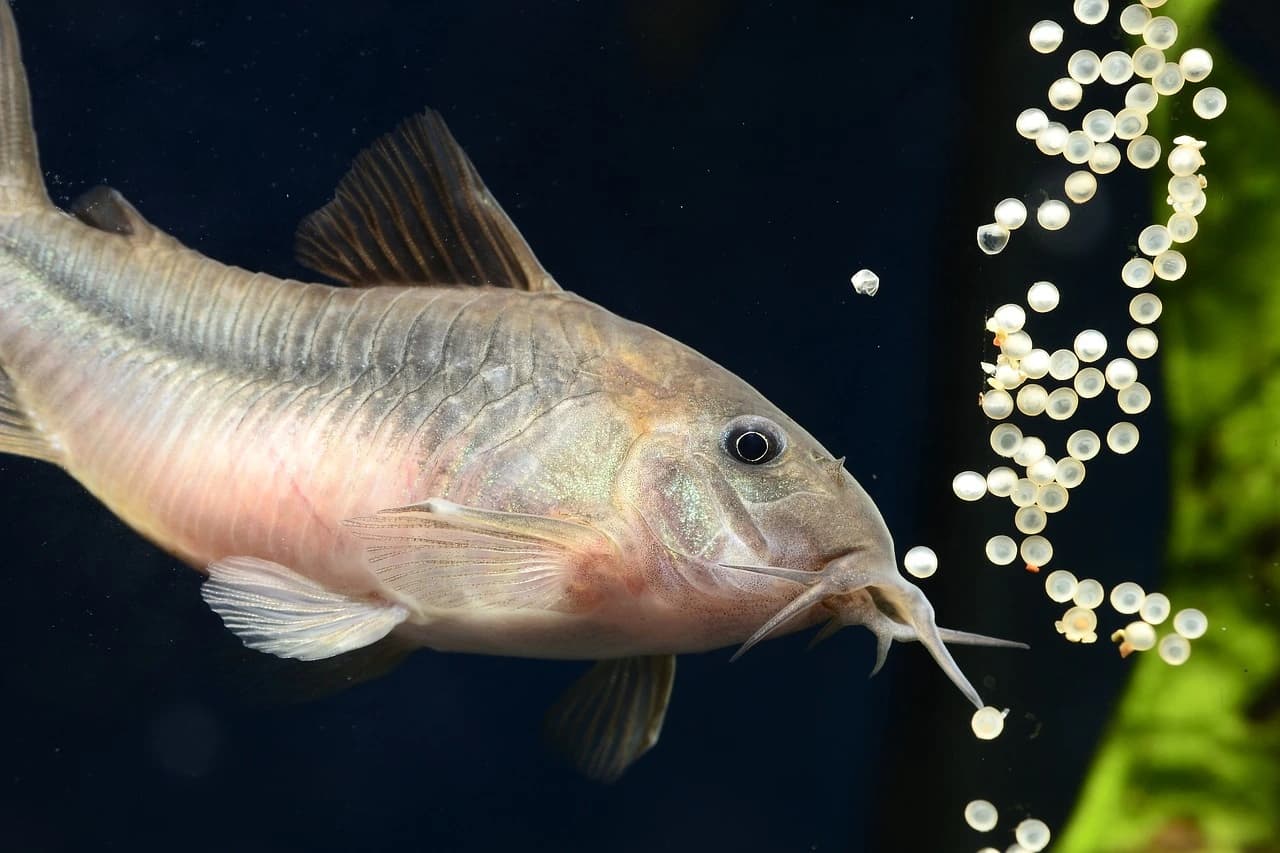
1030 835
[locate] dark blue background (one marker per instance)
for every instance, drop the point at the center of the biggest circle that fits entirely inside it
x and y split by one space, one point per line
714 169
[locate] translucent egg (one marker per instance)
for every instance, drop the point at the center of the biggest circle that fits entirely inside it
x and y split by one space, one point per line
1011 214
1127 597
1168 80
1139 636
1137 272
1009 318
1062 404
1029 519
1183 227
1174 650
1160 32
1000 481
1142 343
1001 550
992 238
1190 623
1143 152
865 282
1090 382
1032 834
1060 586
1035 364
1089 594
1090 345
1117 67
1083 444
1045 36
1029 450
1084 66
920 561
1070 472
1024 493
1052 139
1063 364
1185 160
1090 11
1006 439
1147 60
1042 470
1155 608
1036 551
1131 123
1141 96
1154 239
988 722
1121 372
1183 189
1079 147
981 815
1042 297
1122 437
1053 215
1080 186
1196 64
1031 123
1065 93
1105 158
1078 623
1134 399
997 404
1170 265
1209 102
1032 399
969 485
1052 497
1134 18
1099 125
1007 376
1016 344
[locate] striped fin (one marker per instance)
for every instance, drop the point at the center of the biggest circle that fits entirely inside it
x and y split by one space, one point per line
413 210
21 182
18 433
613 714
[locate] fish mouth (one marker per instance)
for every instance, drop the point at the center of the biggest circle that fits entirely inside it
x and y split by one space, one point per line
867 593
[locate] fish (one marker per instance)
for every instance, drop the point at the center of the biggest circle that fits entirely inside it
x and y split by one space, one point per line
441 449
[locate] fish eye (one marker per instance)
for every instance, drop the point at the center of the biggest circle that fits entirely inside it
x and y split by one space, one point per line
753 440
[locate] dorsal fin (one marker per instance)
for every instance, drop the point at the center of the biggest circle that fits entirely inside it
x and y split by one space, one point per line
107 210
21 182
414 210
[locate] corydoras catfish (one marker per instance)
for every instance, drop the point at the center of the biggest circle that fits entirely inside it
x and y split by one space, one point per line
450 451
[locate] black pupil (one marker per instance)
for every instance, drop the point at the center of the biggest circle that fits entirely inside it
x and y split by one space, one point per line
752 446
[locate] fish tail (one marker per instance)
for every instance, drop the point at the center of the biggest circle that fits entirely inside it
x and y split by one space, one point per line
21 181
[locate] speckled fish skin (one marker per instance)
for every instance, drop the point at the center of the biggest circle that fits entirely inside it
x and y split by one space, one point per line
549 479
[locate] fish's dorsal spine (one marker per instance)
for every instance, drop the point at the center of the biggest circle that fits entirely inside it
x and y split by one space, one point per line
21 181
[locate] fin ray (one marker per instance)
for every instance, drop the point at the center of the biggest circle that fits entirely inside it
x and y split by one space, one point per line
19 434
21 181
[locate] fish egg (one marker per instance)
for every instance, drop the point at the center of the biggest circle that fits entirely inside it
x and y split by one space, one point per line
920 561
1029 450
1141 97
1036 551
988 722
1000 481
1011 214
1209 103
1080 186
1184 161
969 485
1046 36
1183 188
1078 623
1062 404
1053 215
1170 265
1063 364
1053 138
1035 364
1083 444
1090 345
1070 472
1174 649
1117 67
1032 399
1121 372
1060 585
1052 497
1154 239
1030 519
1137 273
1147 61
1032 834
997 404
992 238
1131 123
1155 608
1016 344
1030 124
1160 32
1134 399
1006 439
1042 297
1145 308
1122 437
1084 66
1196 64
1134 18
1105 158
1065 93
1143 152
1140 636
1183 227
1089 594
1090 382
1099 125
865 282
1007 376
1127 597
1001 550
1142 343
1009 318
1024 492
1168 80
981 815
1190 623
1090 11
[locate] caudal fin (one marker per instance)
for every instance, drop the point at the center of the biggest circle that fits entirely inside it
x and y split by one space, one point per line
21 182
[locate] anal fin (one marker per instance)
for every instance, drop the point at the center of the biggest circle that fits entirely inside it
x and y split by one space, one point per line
613 714
273 609
19 434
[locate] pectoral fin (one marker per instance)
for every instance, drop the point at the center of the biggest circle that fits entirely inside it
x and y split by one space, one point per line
444 555
273 609
613 714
